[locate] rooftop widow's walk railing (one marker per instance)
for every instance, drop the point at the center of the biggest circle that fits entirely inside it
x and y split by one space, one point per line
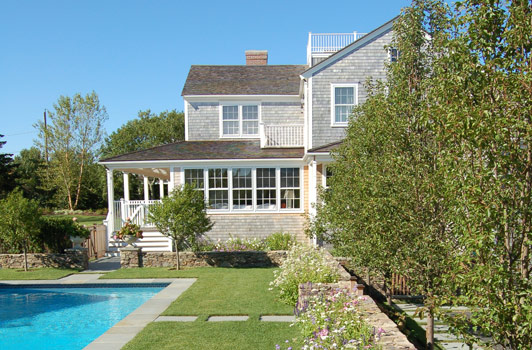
328 43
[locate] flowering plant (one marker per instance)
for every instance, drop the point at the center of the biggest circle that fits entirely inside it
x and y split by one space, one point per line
333 320
129 229
234 244
302 264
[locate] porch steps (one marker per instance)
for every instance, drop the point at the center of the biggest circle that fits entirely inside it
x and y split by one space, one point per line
152 241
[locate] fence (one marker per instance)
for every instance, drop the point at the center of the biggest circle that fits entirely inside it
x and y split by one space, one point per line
96 244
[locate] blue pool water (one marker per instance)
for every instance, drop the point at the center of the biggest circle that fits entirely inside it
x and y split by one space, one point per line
64 318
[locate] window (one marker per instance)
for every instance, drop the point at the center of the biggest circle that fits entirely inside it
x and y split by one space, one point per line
218 189
194 177
290 190
394 54
328 174
242 188
266 188
344 98
240 120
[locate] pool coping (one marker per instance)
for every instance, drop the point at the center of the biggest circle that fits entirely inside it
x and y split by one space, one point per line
125 330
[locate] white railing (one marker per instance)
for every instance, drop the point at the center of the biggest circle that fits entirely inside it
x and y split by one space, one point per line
136 211
281 136
328 43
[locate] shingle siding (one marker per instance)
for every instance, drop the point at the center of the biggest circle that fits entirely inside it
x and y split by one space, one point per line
367 61
276 113
203 121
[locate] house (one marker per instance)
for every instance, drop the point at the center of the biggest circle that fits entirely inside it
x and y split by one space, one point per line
257 138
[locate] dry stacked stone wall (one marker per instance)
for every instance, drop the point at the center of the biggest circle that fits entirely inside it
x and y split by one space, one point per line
133 257
71 259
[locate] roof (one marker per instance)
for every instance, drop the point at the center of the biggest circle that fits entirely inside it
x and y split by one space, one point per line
244 80
326 148
386 27
208 150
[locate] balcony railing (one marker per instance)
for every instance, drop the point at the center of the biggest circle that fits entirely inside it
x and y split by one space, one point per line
281 136
328 43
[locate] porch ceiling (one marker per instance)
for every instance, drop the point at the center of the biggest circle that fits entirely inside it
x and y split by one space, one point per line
160 173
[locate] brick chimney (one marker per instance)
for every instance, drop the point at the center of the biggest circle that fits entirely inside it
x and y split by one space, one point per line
256 57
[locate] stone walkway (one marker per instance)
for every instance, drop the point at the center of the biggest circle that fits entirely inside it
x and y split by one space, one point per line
105 264
442 335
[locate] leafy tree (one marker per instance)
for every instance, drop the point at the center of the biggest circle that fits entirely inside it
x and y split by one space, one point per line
148 130
6 171
182 216
19 222
30 172
73 133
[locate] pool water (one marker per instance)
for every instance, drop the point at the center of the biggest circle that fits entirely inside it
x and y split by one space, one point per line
64 318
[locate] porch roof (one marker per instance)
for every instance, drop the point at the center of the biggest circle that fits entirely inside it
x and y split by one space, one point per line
208 150
326 148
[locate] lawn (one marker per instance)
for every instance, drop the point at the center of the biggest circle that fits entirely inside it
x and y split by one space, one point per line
87 220
35 274
218 291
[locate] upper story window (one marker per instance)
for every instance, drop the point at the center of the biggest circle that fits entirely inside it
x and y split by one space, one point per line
240 120
394 54
343 99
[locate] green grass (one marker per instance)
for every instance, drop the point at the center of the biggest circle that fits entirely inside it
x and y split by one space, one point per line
200 335
35 274
218 291
87 220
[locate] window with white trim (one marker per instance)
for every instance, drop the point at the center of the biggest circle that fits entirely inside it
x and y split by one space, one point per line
393 54
194 177
266 188
218 189
240 120
290 189
343 100
242 189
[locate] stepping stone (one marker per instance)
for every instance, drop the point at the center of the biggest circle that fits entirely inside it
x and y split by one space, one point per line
176 318
445 336
457 346
276 318
438 328
227 318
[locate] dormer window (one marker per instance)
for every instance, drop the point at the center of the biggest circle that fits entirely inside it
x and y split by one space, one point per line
343 99
240 120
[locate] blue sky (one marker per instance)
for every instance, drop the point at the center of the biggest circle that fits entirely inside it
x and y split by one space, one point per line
136 54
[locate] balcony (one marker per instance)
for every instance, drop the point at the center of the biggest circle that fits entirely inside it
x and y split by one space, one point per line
322 45
281 136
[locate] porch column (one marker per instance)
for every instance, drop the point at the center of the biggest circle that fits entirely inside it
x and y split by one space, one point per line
126 186
110 203
313 190
161 188
146 190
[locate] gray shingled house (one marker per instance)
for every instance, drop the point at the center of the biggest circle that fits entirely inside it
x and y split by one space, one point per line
257 138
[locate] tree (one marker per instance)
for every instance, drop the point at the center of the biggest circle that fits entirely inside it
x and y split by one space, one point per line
6 171
30 170
182 216
148 130
19 222
72 134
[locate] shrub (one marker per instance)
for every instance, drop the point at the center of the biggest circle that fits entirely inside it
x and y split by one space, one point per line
280 241
332 320
55 233
234 244
303 264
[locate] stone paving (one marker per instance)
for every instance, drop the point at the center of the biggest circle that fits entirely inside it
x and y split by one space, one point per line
442 335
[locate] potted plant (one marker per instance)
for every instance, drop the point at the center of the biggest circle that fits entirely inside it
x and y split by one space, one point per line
78 233
129 233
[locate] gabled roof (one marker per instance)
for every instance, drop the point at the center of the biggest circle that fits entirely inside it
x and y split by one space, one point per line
207 150
326 148
243 80
386 27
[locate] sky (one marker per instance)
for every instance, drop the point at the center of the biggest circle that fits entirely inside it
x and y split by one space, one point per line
136 54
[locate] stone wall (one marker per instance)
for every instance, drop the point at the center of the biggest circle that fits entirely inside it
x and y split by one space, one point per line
72 259
133 257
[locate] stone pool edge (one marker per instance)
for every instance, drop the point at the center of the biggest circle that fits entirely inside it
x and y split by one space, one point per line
125 330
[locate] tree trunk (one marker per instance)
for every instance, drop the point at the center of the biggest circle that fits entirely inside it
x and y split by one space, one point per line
430 330
25 257
176 254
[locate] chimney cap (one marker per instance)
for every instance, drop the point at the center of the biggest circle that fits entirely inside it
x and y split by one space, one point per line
256 57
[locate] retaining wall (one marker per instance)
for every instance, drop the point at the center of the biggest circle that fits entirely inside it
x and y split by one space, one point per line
71 259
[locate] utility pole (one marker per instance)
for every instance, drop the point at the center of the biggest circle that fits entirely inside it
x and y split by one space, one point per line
45 138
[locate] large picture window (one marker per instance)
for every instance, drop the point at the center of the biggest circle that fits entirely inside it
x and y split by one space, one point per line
266 188
240 120
218 189
242 188
344 99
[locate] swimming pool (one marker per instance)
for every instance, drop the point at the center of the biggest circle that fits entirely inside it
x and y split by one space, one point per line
65 317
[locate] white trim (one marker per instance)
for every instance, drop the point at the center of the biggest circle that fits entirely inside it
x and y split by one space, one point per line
261 98
362 42
310 113
239 104
335 124
186 120
171 183
177 162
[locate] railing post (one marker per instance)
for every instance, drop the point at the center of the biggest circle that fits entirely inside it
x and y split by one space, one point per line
110 204
262 135
124 211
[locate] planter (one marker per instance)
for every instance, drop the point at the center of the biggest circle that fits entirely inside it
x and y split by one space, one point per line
77 241
129 240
